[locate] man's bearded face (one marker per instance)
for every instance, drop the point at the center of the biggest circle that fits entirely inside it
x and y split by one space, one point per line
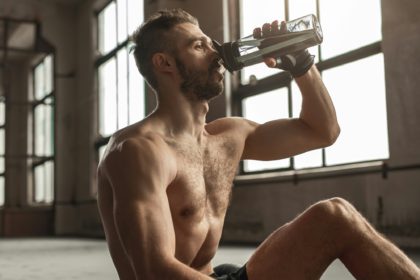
201 83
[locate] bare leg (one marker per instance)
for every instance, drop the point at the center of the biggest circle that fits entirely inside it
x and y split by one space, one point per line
304 248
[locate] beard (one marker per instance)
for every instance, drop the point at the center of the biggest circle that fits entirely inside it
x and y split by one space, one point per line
199 83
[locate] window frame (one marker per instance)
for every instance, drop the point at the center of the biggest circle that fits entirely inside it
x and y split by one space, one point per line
284 80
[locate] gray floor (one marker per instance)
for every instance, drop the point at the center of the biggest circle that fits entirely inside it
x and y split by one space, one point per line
64 259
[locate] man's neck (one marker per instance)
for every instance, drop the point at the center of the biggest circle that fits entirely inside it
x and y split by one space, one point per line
183 116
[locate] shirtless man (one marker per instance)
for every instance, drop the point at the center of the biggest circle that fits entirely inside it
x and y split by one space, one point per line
165 182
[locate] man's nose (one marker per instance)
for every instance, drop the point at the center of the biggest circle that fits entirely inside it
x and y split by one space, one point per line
214 51
215 46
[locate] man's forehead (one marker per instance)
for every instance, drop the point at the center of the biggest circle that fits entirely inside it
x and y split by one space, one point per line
188 32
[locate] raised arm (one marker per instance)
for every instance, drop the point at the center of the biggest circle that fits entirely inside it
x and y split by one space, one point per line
316 126
139 172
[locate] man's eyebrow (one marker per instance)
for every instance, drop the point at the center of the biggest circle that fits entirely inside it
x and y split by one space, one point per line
205 39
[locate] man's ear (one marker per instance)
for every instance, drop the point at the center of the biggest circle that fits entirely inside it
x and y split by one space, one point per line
163 62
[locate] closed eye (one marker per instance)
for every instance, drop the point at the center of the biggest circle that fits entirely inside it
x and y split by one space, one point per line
199 45
202 43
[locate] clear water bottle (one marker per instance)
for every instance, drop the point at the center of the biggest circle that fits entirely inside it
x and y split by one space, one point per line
301 34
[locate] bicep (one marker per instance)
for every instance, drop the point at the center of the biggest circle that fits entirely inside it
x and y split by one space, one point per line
141 210
145 227
278 139
105 205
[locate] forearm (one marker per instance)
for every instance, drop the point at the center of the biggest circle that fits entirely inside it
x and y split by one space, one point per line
163 268
159 262
175 270
318 111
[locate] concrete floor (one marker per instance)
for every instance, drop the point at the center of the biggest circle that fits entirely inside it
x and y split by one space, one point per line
65 259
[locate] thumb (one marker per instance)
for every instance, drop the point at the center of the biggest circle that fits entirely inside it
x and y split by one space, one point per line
270 62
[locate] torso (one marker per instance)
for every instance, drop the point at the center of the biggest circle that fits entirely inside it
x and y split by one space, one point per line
200 194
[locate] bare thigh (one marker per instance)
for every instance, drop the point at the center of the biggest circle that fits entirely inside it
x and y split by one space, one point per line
301 249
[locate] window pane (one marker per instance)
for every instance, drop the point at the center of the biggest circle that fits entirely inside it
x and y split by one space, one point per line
107 27
135 14
107 98
342 31
122 88
2 194
136 91
2 113
49 74
122 20
361 109
311 158
262 108
258 71
44 129
44 182
252 18
39 79
39 188
49 130
2 141
49 181
2 150
40 129
299 8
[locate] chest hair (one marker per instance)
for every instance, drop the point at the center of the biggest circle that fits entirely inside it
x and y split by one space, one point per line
210 170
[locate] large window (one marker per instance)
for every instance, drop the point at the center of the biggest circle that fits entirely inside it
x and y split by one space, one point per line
351 64
120 85
43 131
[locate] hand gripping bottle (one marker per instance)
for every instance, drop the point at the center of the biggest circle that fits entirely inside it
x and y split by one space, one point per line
300 34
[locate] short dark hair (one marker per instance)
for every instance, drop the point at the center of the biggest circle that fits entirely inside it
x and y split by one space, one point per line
151 36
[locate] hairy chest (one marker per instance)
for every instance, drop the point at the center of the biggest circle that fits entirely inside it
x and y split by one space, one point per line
204 179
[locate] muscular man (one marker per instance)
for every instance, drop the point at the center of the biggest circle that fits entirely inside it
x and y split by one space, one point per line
165 182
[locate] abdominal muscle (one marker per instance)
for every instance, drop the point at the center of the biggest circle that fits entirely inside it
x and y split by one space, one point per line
197 241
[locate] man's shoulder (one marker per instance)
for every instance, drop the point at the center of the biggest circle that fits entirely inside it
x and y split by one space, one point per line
237 125
146 147
134 146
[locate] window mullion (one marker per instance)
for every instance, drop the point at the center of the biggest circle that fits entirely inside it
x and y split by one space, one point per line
45 187
128 85
116 21
116 90
318 14
324 158
127 66
116 62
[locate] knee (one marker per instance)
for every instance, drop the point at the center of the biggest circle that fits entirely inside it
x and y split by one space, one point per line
337 210
342 207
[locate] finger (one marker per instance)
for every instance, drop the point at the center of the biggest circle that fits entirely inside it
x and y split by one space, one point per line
270 62
266 29
275 27
283 27
257 33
